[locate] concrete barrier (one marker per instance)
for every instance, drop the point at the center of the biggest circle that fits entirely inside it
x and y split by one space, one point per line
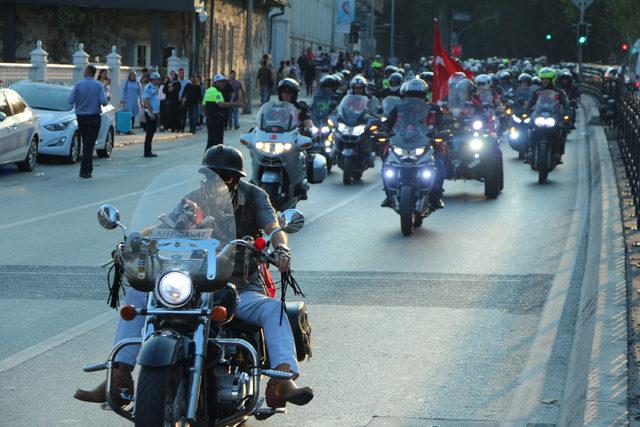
595 391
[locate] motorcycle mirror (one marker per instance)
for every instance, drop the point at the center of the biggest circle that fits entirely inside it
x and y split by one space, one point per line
291 221
244 139
304 143
108 217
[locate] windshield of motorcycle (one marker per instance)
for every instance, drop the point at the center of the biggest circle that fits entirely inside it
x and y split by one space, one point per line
548 102
277 116
388 103
522 95
410 128
183 220
485 95
321 106
352 108
457 101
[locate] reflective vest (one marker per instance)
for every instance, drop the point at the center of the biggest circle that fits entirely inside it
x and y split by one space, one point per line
212 95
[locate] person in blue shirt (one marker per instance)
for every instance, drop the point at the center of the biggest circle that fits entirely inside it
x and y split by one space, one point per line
87 97
131 96
151 111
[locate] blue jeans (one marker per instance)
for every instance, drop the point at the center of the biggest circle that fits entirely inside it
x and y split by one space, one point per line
192 111
265 93
233 117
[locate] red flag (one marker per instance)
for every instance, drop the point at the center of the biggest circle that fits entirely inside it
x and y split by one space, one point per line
443 66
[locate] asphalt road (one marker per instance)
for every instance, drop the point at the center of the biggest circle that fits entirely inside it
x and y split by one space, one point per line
431 329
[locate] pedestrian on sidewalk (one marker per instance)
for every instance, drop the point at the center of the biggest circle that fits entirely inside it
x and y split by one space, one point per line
191 97
265 81
183 110
87 97
238 95
151 111
103 77
131 97
214 105
172 90
162 97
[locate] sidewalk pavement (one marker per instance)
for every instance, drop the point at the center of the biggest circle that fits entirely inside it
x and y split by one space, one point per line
123 140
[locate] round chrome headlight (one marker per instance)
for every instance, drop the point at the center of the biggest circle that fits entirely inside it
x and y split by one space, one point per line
174 288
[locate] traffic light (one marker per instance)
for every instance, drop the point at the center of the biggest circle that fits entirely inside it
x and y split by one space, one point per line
354 34
548 37
583 29
625 47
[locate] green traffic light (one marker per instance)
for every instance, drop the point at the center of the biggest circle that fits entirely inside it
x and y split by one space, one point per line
582 39
548 36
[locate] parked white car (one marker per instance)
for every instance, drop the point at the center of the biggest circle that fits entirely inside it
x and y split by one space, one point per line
59 134
18 132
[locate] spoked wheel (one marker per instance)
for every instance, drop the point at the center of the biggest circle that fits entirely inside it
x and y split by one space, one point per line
407 217
161 397
348 165
29 163
74 149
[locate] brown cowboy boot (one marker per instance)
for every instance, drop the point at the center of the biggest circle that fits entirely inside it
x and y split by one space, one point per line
280 391
121 378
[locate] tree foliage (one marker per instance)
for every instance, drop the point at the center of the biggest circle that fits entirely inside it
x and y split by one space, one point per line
518 28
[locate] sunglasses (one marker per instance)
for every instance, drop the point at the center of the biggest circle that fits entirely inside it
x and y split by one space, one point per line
226 175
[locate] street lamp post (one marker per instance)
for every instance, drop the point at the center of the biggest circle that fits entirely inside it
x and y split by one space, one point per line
392 51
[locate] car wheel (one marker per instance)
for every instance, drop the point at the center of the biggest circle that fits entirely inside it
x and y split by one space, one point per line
74 149
108 145
29 163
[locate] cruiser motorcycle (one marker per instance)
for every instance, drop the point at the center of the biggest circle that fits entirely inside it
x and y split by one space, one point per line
198 364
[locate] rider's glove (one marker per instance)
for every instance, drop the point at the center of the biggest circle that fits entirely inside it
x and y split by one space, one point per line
282 258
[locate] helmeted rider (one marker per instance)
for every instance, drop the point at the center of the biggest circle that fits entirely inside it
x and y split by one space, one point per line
564 81
288 90
454 79
524 90
388 70
427 77
395 82
411 90
486 94
327 89
253 214
506 85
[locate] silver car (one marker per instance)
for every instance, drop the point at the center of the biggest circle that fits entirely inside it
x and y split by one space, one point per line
18 131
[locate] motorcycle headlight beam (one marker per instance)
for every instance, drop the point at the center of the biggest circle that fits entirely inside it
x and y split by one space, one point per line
477 125
358 130
174 288
476 144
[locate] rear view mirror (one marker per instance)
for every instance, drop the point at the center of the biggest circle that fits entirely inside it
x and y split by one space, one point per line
291 221
108 217
3 117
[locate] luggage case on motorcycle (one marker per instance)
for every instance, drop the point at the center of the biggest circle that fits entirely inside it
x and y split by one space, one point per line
123 121
299 320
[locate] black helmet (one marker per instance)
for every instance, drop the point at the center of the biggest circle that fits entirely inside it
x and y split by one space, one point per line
504 74
494 79
389 69
395 80
414 88
427 76
346 73
288 84
224 158
524 77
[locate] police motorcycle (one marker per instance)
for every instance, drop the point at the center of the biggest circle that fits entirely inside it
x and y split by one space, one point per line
546 134
409 169
473 149
322 144
279 155
198 365
519 118
380 138
351 136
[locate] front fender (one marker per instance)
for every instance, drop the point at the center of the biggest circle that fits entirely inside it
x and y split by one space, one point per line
163 350
271 176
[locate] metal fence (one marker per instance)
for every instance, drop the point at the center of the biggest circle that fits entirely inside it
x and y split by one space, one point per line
620 110
11 73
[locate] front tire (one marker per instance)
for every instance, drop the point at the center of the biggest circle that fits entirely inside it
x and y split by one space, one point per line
348 165
407 217
544 162
493 179
160 396
108 145
74 149
273 191
29 163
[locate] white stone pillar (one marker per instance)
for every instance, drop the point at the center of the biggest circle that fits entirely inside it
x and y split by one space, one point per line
173 62
114 62
80 62
39 59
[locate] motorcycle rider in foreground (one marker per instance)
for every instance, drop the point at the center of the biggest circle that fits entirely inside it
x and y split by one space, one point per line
253 212
417 88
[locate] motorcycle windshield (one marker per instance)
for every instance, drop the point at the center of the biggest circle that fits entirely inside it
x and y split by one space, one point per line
352 108
485 96
388 103
522 95
183 220
321 106
277 116
548 102
457 101
410 128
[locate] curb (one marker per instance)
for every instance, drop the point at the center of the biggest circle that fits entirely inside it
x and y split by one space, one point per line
595 391
168 138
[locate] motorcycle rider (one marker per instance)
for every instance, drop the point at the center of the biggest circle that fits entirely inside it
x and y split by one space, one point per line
388 70
395 82
417 88
536 83
427 77
253 212
565 82
524 90
505 84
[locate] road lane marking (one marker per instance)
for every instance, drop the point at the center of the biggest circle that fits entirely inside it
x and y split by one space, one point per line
56 340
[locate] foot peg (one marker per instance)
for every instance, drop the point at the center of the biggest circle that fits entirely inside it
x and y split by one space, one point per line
272 373
95 367
264 413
